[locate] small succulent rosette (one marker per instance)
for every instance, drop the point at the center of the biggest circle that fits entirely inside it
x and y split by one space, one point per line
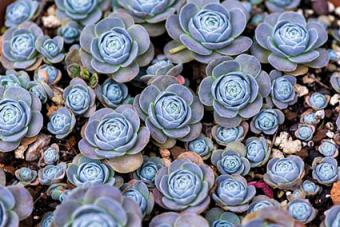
83 171
289 43
332 216
14 78
150 14
16 204
224 136
325 170
80 98
52 174
58 191
206 30
312 117
305 132
50 155
48 74
61 123
112 94
47 220
232 193
173 219
41 90
267 121
328 148
113 133
18 50
84 12
26 176
218 217
20 11
139 192
260 202
302 210
310 188
258 151
97 205
234 89
285 173
116 46
317 100
20 117
171 111
232 160
184 186
283 92
70 31
282 5
148 170
51 49
202 145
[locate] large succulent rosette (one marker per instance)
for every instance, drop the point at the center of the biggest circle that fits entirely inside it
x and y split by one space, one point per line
288 42
18 47
184 185
116 46
97 205
151 14
21 11
207 30
170 110
234 88
113 133
20 117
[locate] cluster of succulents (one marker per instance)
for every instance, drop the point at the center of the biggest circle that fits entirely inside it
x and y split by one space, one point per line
169 113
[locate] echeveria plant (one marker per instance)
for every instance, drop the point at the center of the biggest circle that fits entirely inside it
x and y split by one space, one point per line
116 46
282 5
184 185
61 123
171 111
223 135
41 90
70 32
258 151
80 98
325 170
50 49
231 160
113 133
310 188
13 78
18 47
234 88
206 30
232 193
328 148
98 205
147 172
219 218
84 12
51 154
48 74
285 173
332 216
16 204
317 100
202 145
260 202
20 117
288 42
267 121
21 11
26 176
305 132
173 219
52 174
150 14
302 210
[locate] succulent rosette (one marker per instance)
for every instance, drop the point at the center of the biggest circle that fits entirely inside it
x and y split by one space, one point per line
231 160
258 151
13 78
219 218
223 135
84 171
48 74
335 82
232 193
16 204
325 170
21 11
305 132
113 133
202 145
261 201
310 188
51 154
184 185
317 100
283 92
52 174
282 5
18 47
235 89
285 173
47 220
41 90
173 219
26 176
267 121
116 46
328 148
98 205
61 123
112 94
20 117
147 172
171 111
332 216
150 14
302 210
80 98
139 192
288 42
50 49
207 30
82 11
70 32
